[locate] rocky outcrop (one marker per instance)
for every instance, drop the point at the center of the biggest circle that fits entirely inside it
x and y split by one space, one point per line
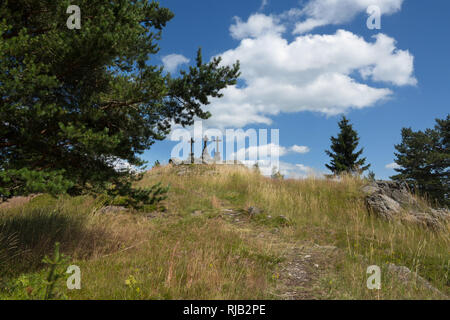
112 210
253 211
383 206
397 191
408 277
390 200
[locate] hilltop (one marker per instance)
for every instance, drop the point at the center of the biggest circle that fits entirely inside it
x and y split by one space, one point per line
226 233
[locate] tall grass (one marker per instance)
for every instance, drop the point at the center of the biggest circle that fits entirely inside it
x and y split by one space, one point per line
129 256
191 252
326 212
190 259
73 222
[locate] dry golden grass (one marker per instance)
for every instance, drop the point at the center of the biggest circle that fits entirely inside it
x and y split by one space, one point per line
192 252
182 260
326 212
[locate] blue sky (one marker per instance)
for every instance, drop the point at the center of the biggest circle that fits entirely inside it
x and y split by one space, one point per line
300 79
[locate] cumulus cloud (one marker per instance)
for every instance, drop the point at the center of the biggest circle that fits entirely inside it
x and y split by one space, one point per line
255 152
318 13
393 166
311 73
298 171
267 157
299 149
255 26
173 61
288 170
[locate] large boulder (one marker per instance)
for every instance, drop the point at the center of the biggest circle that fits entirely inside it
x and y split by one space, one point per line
390 200
432 218
383 206
397 191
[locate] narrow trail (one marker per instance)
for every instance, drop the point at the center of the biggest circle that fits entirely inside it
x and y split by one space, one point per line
303 265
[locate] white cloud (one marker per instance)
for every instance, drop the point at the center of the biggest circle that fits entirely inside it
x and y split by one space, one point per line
173 61
288 170
299 149
318 13
311 73
393 166
262 155
298 171
257 25
255 152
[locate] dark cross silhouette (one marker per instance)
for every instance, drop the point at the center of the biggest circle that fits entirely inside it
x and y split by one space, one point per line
205 142
192 149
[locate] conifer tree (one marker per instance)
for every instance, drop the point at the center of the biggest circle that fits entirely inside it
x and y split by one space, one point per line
424 160
73 102
342 154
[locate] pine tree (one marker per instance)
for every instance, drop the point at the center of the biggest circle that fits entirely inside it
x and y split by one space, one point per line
424 160
74 102
342 154
371 176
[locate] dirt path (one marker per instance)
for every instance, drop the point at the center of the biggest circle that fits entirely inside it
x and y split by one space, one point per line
304 263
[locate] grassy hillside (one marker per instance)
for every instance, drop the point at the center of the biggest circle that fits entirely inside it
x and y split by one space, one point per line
312 240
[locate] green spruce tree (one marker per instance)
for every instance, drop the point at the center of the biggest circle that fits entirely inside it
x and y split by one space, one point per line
424 160
73 102
344 159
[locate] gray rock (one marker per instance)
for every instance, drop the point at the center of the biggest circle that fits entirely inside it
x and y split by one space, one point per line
407 277
253 211
369 189
441 214
197 213
428 219
112 209
398 191
390 199
383 206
